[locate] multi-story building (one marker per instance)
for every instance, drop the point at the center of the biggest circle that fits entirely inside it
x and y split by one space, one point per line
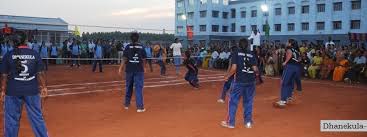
226 21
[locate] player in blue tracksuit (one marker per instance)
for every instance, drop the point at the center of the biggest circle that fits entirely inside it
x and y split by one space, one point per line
228 83
134 61
149 51
75 53
290 73
22 83
192 73
98 54
244 69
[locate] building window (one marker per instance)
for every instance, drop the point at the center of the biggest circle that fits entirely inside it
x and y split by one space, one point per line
320 7
202 28
305 9
190 15
305 26
225 15
254 27
320 25
290 26
243 14
355 24
215 28
225 28
191 27
215 1
225 2
179 16
179 29
180 4
291 10
215 14
254 13
191 2
203 14
278 11
243 28
338 6
202 2
233 27
233 13
277 27
356 4
337 25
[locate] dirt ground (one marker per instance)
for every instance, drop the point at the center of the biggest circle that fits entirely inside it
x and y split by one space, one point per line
86 104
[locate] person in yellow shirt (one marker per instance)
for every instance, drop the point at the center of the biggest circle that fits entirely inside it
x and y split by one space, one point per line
317 61
303 49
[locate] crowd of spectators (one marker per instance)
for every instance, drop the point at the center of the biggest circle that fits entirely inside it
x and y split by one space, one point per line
319 61
327 61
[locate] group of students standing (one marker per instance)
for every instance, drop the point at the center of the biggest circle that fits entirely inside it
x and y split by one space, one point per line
23 80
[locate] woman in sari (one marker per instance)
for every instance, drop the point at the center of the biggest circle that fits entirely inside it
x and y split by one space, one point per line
340 69
269 65
326 67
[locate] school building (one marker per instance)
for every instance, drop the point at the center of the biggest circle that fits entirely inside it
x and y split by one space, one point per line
39 28
226 21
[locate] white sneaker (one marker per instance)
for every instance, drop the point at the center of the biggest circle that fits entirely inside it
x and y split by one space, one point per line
126 108
220 101
248 125
280 104
225 124
140 110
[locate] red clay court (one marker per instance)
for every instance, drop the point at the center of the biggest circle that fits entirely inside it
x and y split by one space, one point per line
86 104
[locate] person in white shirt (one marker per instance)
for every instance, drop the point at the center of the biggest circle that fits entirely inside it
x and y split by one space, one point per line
255 37
228 54
48 44
223 55
222 58
91 46
30 44
69 44
329 43
213 59
176 54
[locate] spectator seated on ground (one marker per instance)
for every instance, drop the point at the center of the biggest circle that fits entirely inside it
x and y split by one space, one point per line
269 67
305 62
340 69
358 67
315 67
327 67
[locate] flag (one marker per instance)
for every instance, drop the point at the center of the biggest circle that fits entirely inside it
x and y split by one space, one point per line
76 31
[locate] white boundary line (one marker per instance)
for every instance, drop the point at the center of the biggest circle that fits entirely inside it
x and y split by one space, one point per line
153 86
113 85
108 82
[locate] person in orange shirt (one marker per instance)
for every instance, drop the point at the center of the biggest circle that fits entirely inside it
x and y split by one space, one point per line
326 67
341 69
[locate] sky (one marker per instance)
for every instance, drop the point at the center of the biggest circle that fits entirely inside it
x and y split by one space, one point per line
151 14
